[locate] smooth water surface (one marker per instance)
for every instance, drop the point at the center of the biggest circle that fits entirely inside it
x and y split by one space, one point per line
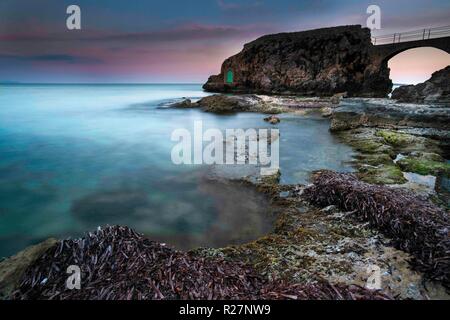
74 157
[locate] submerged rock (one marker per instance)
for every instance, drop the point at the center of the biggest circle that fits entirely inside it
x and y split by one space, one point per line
434 90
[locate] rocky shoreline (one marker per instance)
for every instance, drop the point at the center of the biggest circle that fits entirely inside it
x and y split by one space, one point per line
223 104
434 90
321 246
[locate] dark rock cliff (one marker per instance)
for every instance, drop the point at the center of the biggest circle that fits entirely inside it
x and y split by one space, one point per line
434 90
318 62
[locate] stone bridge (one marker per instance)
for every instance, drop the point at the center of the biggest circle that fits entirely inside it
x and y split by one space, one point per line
321 62
382 53
386 47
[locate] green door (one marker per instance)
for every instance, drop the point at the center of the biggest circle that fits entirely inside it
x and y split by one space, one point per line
230 76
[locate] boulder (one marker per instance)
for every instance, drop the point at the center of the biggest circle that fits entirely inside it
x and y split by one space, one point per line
319 62
225 104
336 99
434 90
185 103
272 120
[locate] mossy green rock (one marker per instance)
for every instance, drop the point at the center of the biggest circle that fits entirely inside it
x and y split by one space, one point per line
374 159
383 174
369 146
424 166
396 139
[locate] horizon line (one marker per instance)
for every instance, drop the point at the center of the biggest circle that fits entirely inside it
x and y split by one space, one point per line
98 83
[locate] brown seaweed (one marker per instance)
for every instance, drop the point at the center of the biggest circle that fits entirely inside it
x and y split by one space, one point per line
415 225
119 264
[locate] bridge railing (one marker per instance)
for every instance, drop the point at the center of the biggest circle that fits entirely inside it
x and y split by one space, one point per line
421 34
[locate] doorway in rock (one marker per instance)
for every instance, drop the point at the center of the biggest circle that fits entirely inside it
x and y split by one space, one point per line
230 76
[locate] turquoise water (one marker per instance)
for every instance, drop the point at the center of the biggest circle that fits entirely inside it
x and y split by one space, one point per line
74 157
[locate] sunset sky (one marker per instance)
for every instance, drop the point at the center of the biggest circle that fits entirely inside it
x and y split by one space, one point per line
185 41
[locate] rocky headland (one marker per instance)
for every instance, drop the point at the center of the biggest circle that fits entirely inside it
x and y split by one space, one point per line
436 90
318 62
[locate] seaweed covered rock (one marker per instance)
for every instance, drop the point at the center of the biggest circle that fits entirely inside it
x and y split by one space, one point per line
12 269
415 225
319 62
117 263
434 90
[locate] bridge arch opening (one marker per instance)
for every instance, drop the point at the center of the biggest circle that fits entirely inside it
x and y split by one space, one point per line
415 65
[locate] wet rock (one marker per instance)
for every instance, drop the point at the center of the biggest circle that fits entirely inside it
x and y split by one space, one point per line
425 164
392 157
383 154
354 113
397 139
326 112
272 104
272 177
382 174
434 90
185 103
416 225
272 120
227 104
336 99
12 269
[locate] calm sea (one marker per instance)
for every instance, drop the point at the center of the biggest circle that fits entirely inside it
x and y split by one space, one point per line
74 157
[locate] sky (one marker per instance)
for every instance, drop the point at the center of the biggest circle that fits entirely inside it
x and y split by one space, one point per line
161 41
